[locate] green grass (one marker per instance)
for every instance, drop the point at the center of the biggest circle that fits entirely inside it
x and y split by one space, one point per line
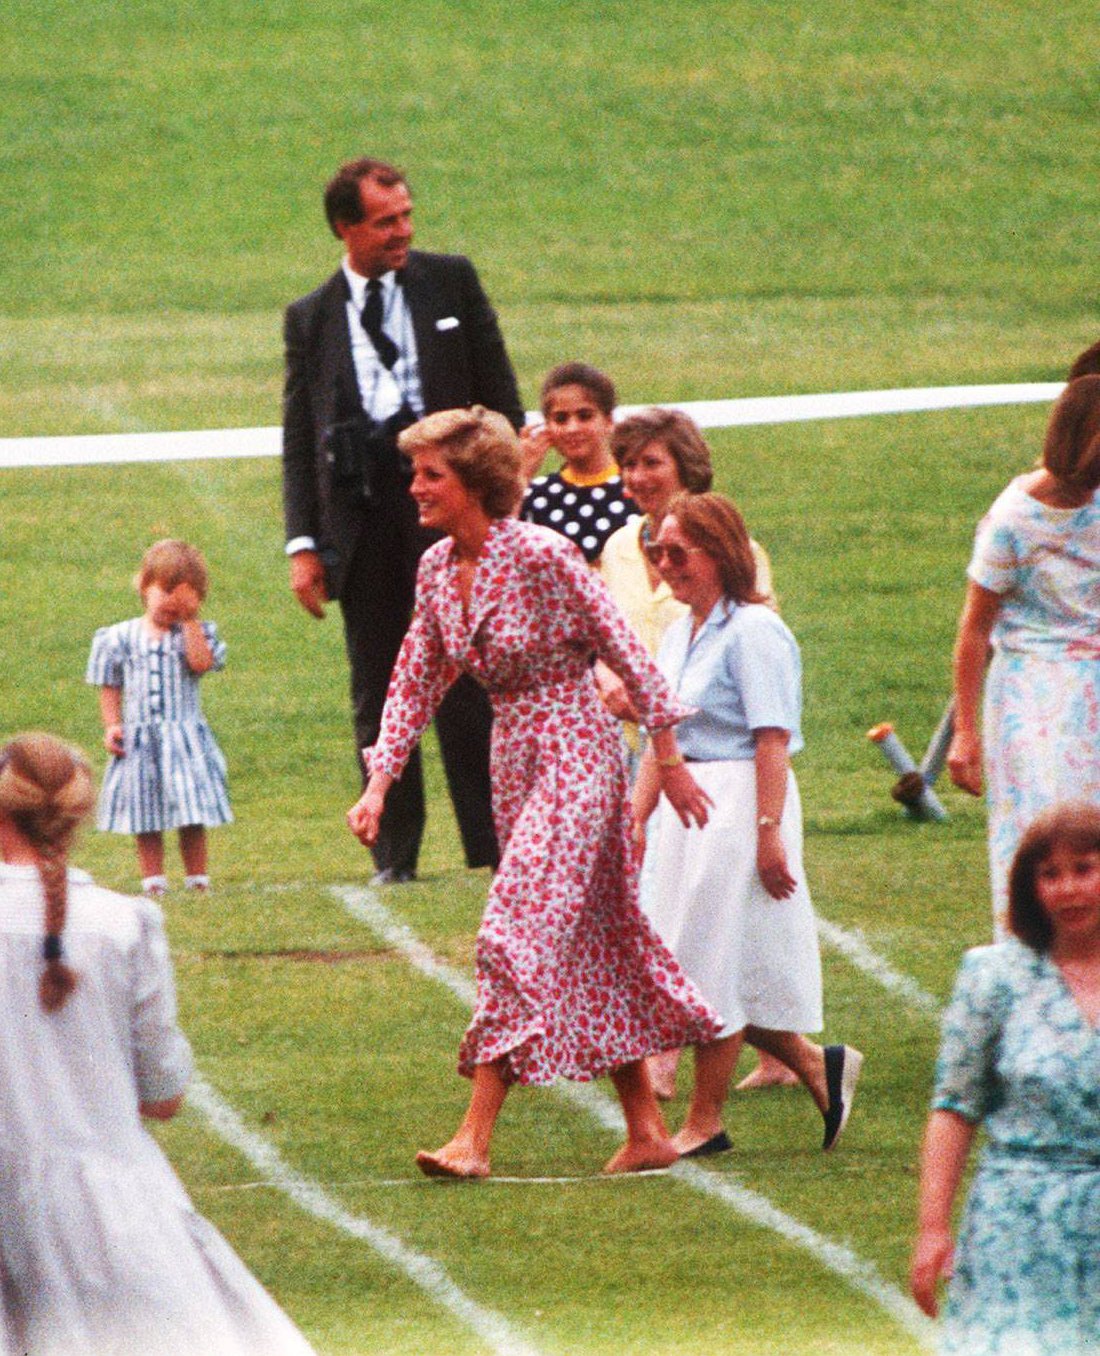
708 201
344 1059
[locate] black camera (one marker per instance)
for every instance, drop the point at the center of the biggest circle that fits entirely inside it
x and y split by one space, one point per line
364 453
343 446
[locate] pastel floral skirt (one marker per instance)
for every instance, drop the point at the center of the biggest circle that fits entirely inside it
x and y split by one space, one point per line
1042 745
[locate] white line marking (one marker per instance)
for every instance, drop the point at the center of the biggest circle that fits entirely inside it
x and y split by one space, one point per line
849 942
200 444
423 1271
853 946
859 1274
599 1179
364 904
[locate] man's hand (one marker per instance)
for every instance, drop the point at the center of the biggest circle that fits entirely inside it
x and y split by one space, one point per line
307 580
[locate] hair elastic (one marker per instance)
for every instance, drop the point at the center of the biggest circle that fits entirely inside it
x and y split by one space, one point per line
51 947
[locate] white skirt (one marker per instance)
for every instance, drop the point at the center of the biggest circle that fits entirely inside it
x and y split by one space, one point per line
755 958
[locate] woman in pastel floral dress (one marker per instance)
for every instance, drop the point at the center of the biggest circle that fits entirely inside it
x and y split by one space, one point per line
1034 593
572 979
1020 1055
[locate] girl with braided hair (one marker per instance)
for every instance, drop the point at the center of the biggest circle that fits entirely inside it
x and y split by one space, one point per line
100 1249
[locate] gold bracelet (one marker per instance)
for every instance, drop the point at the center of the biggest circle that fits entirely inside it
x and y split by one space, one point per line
673 760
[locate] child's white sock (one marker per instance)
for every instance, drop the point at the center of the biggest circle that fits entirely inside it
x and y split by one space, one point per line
154 886
196 883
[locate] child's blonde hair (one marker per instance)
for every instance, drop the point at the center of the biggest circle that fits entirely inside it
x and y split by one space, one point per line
46 789
171 562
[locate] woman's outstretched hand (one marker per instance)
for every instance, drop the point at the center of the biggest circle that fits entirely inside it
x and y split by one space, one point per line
933 1255
365 815
771 864
685 795
964 762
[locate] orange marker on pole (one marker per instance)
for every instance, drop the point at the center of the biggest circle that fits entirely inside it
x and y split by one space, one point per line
911 790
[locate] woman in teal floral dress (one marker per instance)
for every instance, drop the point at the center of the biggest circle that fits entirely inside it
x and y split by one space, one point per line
1034 595
1020 1056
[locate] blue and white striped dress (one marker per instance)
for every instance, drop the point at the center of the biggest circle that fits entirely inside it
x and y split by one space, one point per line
173 773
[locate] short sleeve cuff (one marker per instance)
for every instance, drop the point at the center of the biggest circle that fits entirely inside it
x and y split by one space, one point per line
959 1107
297 544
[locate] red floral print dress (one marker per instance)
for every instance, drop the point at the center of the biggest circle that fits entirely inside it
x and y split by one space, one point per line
572 980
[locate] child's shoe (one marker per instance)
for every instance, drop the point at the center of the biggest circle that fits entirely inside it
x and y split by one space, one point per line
154 886
199 883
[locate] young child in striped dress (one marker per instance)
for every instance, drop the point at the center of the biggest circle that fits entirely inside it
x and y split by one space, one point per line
166 770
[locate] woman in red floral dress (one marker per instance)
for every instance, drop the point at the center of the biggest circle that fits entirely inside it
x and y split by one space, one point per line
572 979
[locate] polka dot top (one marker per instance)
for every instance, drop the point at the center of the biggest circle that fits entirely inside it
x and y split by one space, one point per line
586 514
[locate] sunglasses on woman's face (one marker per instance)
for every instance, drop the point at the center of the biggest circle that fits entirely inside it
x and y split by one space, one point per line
677 556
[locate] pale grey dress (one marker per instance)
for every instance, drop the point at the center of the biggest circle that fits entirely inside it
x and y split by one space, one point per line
101 1251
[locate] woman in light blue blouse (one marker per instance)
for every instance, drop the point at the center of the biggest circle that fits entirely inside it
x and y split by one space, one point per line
730 899
1020 1055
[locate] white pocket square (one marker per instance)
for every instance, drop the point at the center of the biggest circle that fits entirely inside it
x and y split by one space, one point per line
449 322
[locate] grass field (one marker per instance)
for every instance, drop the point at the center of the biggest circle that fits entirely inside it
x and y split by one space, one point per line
756 200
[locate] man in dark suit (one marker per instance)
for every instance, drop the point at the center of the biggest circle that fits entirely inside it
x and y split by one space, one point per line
393 335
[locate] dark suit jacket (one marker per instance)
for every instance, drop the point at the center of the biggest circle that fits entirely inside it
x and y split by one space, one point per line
460 364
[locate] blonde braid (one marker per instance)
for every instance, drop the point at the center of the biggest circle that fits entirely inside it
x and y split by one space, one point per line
46 789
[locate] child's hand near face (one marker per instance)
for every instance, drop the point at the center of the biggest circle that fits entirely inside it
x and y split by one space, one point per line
169 607
186 601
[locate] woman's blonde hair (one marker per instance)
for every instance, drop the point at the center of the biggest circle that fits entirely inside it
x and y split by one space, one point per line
482 449
46 791
172 562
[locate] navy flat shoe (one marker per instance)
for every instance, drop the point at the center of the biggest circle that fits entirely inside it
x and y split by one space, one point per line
842 1068
717 1144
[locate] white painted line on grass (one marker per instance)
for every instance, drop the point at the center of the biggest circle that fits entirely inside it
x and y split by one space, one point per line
364 904
853 946
600 1179
201 444
848 942
423 1271
838 1257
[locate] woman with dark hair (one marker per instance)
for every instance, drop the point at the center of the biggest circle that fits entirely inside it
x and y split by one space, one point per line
1020 1056
585 500
100 1249
1034 594
730 899
571 979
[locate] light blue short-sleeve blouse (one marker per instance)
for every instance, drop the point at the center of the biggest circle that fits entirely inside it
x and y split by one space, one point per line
742 672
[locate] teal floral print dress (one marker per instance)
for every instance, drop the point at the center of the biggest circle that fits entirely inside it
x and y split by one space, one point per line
1019 1056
